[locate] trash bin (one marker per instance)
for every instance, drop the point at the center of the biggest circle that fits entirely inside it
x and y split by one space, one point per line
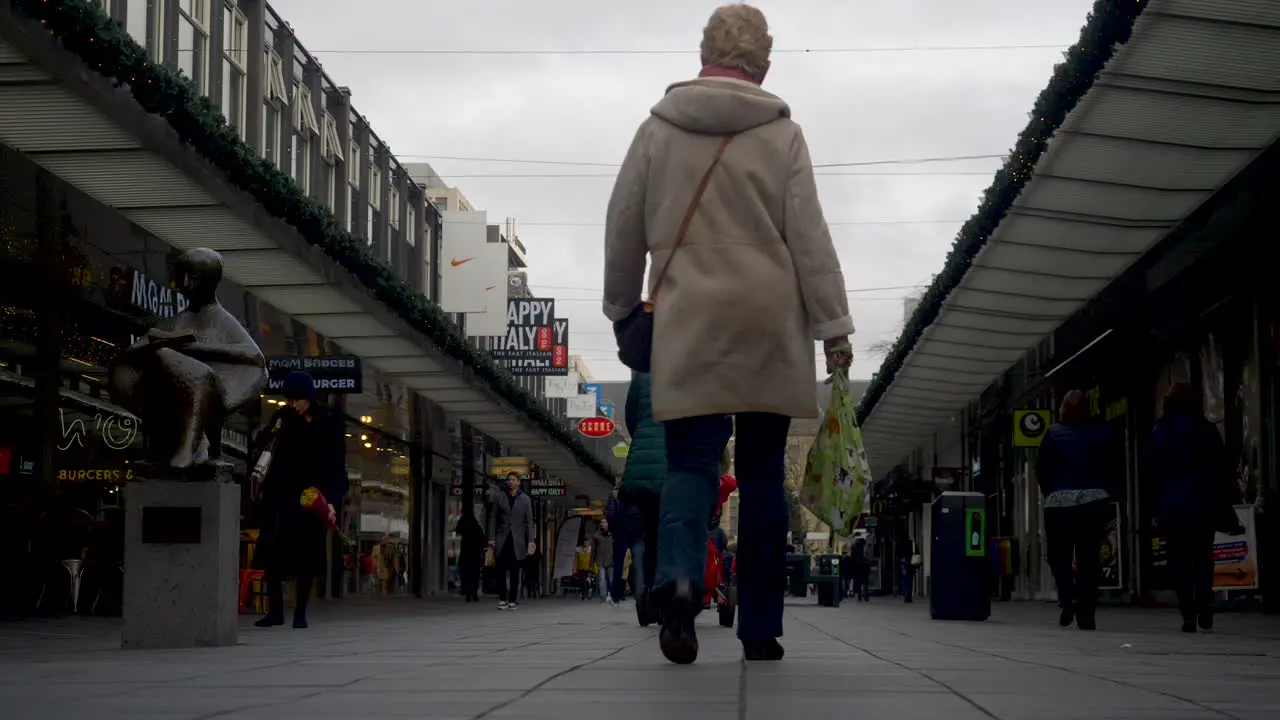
798 574
828 580
959 567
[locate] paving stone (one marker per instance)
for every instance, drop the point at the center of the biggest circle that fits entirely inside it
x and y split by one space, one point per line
558 658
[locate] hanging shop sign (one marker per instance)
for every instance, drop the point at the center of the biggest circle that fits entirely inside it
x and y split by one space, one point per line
501 467
536 342
621 450
547 487
596 427
332 373
1029 427
157 298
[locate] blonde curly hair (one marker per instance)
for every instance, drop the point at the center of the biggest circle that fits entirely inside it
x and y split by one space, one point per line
737 36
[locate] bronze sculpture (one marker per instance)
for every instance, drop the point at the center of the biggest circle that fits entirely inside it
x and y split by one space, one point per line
187 374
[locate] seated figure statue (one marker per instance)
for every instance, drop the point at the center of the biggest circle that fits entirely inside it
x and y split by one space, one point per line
187 374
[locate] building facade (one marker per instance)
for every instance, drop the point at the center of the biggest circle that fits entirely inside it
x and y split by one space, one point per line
330 249
1117 276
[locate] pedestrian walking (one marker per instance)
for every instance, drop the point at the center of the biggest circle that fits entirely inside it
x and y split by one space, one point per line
470 554
860 564
602 547
718 187
615 513
515 539
307 449
642 480
1193 472
1076 468
909 564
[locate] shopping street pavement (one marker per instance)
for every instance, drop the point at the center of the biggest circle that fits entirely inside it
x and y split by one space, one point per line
566 658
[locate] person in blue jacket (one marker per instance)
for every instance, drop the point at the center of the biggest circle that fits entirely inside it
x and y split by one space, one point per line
1077 467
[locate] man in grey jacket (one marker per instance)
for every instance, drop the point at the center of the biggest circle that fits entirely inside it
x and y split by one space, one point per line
513 518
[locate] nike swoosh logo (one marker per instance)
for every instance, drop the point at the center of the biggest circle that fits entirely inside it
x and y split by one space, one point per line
490 288
456 262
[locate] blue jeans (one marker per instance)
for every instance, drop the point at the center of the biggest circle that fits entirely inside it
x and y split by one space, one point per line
694 446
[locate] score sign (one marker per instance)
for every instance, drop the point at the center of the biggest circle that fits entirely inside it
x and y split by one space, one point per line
596 427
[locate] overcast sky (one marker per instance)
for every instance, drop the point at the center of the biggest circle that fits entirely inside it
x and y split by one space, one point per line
891 229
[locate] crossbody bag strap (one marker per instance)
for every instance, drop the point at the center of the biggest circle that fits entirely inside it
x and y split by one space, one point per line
688 218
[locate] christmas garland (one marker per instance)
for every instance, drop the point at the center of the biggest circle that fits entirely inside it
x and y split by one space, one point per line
106 47
1108 26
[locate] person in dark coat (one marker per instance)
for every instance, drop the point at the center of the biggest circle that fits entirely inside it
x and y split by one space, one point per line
515 539
615 514
641 489
860 566
308 449
1189 462
470 555
1077 468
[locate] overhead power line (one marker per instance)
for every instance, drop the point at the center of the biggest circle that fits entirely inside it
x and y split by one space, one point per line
574 163
656 51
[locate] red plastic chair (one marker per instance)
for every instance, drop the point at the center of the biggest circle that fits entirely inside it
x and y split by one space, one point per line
247 580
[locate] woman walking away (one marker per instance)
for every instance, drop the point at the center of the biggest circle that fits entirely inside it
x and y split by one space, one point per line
642 481
308 449
602 549
1076 468
718 187
1187 458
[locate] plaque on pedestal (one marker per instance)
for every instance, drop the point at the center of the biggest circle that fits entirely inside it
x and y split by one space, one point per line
181 564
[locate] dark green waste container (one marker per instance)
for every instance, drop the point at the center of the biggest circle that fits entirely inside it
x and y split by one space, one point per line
828 580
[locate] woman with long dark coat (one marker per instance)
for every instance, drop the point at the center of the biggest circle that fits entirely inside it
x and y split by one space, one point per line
308 449
1193 473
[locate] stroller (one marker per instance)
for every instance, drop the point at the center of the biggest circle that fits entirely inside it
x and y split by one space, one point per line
720 593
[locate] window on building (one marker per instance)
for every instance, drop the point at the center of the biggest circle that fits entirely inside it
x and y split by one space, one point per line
353 164
271 132
193 42
330 143
441 202
393 207
411 226
136 13
275 89
235 65
353 210
146 25
331 186
300 161
373 216
304 113
375 187
273 106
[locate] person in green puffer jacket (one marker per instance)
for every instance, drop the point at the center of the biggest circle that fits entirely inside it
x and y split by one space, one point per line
642 481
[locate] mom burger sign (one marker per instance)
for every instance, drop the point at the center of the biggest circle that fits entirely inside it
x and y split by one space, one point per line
596 427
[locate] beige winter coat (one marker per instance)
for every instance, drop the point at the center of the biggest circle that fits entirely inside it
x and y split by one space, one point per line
757 279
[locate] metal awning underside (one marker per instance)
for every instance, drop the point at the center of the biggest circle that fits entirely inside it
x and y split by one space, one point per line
95 137
1185 105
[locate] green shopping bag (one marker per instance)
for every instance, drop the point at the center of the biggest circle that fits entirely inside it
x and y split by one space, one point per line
837 473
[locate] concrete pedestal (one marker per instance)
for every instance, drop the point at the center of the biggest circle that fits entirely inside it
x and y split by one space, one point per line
181 564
